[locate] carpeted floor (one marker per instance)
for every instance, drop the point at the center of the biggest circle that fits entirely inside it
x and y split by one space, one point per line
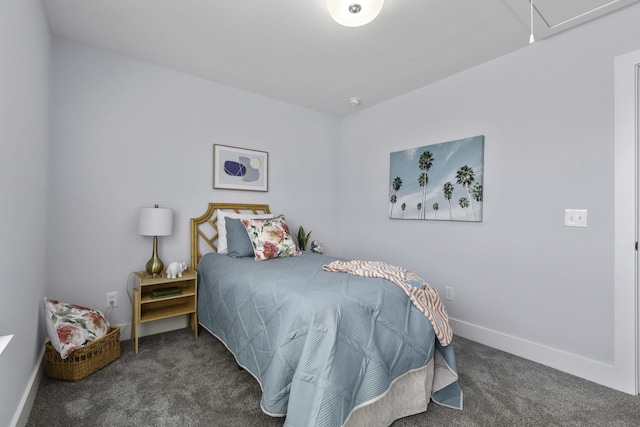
176 380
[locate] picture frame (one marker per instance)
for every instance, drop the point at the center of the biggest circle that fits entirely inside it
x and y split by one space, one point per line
237 168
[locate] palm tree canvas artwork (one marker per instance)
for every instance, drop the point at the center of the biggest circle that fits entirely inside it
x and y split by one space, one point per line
439 182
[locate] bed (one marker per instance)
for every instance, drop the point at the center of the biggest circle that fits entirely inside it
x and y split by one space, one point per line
327 348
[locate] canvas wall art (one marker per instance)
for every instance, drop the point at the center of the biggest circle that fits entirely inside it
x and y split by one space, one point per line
439 182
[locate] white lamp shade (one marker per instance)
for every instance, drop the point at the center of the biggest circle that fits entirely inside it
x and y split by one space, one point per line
340 11
155 221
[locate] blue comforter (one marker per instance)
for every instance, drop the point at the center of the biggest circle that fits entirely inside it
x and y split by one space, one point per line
319 343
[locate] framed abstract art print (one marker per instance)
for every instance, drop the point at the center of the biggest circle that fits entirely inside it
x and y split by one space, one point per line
240 169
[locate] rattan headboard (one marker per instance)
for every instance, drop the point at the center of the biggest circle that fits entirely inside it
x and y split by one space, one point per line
204 229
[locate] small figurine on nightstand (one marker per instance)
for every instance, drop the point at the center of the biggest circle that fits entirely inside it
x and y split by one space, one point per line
175 269
316 247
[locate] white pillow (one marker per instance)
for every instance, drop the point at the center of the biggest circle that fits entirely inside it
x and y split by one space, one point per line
223 248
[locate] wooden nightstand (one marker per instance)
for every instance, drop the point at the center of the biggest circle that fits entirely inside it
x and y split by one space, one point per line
146 307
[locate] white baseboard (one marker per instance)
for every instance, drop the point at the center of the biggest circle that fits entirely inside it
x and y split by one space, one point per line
592 370
21 415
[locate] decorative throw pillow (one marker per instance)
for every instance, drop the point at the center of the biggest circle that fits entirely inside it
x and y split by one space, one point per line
238 241
270 238
72 326
222 226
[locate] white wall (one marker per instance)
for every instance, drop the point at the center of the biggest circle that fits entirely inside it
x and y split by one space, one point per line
24 102
128 134
522 281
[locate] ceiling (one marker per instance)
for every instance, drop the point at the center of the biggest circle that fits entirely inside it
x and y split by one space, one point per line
293 51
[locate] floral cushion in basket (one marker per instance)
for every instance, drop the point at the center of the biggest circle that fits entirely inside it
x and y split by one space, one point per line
270 238
72 326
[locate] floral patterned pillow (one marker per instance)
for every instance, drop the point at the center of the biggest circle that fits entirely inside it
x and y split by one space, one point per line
71 326
270 238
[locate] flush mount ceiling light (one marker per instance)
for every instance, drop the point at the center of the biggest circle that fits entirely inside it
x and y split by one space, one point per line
354 13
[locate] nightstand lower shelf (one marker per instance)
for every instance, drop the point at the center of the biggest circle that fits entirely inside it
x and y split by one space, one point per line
147 308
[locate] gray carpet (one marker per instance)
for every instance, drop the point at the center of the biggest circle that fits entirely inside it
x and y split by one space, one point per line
176 380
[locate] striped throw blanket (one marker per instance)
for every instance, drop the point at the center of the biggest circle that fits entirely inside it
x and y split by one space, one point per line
424 297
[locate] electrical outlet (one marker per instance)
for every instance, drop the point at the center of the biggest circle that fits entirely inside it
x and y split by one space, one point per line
112 299
448 293
575 217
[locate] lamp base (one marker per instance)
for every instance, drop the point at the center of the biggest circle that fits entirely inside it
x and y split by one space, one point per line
154 265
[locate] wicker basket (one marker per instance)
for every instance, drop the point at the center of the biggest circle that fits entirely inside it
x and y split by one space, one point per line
83 361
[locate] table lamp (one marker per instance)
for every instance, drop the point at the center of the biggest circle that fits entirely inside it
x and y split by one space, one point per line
155 222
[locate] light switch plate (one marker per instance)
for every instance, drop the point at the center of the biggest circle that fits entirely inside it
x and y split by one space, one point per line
575 217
